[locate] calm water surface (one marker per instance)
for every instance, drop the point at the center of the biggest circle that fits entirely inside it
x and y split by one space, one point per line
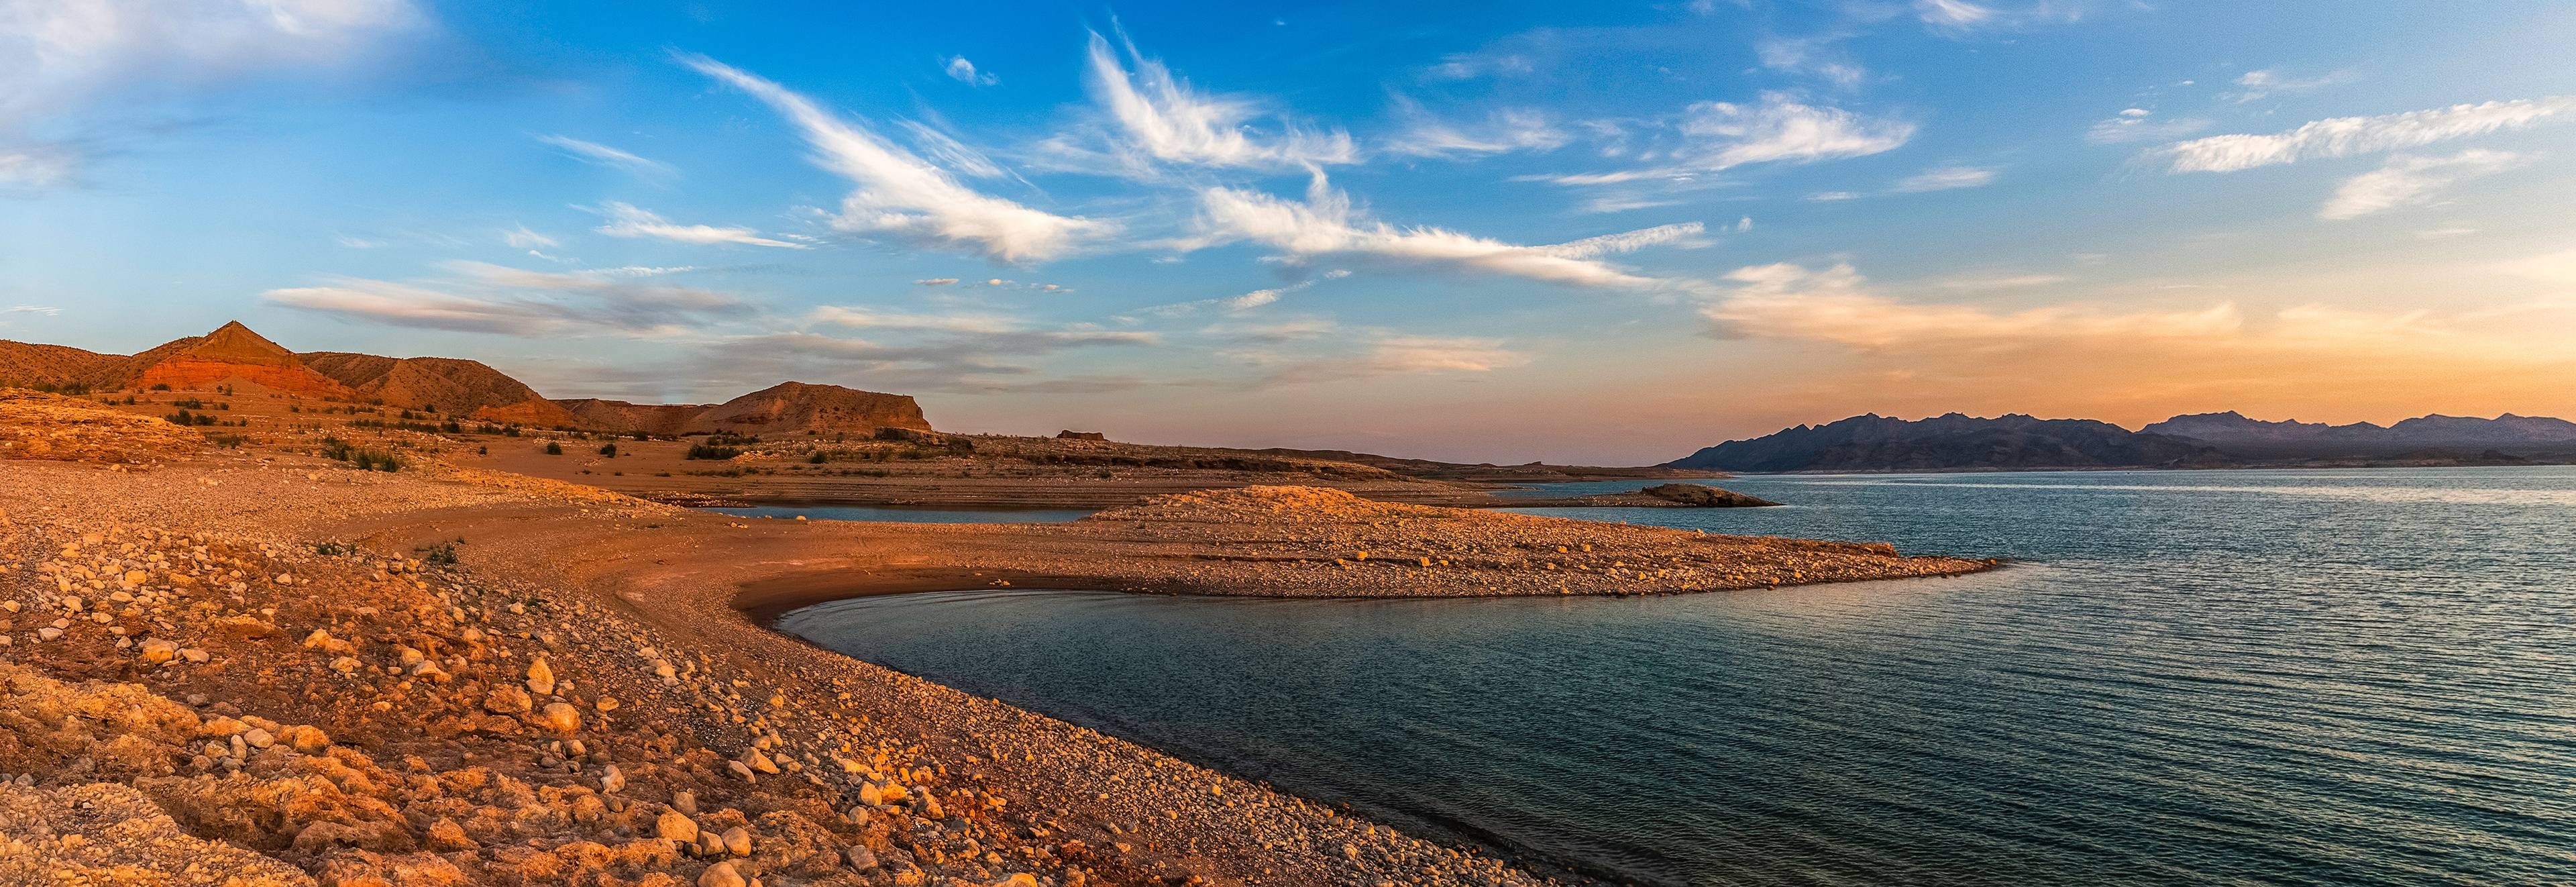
910 515
2294 677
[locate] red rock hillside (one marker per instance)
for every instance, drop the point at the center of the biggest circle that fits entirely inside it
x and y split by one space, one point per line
667 420
456 387
796 406
231 355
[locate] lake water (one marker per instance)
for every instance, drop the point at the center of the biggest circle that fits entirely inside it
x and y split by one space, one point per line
910 515
2239 677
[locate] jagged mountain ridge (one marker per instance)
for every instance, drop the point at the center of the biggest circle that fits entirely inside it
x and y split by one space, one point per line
1959 442
1873 442
233 355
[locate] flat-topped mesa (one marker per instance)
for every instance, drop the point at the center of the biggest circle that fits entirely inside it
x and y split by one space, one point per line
231 355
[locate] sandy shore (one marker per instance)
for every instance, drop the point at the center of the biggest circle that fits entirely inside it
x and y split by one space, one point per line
256 596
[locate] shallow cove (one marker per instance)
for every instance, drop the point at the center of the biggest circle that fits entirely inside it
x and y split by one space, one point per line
2353 677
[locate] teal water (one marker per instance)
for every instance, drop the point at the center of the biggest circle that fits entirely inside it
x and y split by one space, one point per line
2295 677
910 515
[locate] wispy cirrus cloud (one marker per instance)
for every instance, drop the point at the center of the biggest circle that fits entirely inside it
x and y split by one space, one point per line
2141 125
597 154
628 220
900 194
1820 57
1326 224
2268 82
1372 352
1944 179
1719 136
1161 117
485 298
1787 301
2406 180
1512 129
62 61
2348 136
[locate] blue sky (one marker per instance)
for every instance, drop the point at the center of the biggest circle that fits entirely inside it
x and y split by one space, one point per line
1595 232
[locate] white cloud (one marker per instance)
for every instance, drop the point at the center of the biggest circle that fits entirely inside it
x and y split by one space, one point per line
1391 353
1781 129
37 166
596 154
880 318
1812 56
1619 203
1425 135
626 220
1786 301
1164 118
2406 179
44 310
1952 13
484 298
950 152
2258 85
900 194
2138 125
1944 179
1717 136
2347 136
1469 66
1833 196
1246 302
62 62
1326 224
523 238
1686 233
936 281
1959 17
963 71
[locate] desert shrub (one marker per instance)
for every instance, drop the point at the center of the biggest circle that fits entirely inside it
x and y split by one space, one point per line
553 448
226 441
711 451
361 458
608 450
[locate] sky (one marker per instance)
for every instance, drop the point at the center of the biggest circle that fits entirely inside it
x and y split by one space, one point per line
1590 233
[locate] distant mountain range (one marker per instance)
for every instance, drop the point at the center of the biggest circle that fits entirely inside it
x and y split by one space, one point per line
234 356
1956 442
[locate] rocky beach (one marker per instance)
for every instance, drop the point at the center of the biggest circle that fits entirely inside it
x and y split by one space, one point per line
252 666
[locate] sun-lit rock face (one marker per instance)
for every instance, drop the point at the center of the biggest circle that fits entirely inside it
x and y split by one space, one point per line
231 355
797 407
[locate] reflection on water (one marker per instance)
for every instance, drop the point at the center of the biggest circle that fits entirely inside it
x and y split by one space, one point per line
2313 677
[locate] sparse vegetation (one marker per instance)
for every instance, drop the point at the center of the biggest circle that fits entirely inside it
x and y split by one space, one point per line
440 555
608 450
361 458
711 451
553 448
